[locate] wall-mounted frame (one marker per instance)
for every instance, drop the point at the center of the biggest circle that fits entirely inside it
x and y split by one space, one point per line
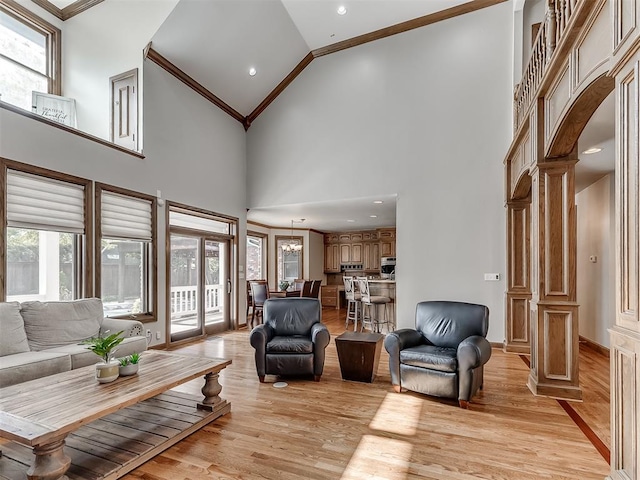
55 108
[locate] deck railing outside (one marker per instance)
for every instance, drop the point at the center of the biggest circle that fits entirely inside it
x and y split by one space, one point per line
184 300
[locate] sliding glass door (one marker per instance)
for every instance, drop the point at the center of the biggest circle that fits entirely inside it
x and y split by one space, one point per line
217 286
200 285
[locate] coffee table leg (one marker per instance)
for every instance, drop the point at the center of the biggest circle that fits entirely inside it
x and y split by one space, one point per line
51 463
211 392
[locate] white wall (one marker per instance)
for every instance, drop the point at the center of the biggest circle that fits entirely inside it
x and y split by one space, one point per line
316 256
425 114
101 42
596 280
195 154
533 12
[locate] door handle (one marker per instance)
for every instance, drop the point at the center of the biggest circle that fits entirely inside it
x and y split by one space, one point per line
228 285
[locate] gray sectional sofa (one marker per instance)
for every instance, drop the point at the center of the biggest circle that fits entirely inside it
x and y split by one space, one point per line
43 338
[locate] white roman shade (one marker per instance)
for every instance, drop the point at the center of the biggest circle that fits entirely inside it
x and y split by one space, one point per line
180 219
44 203
123 216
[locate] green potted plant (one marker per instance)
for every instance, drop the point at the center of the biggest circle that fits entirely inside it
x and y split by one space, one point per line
104 347
129 364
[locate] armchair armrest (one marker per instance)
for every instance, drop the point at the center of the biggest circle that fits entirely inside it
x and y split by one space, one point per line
130 328
320 336
397 341
473 352
259 337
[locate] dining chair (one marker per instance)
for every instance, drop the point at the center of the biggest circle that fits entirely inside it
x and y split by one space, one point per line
315 289
370 301
306 288
259 293
298 284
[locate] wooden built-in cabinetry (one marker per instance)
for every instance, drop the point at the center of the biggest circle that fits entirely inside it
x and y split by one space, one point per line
358 248
329 295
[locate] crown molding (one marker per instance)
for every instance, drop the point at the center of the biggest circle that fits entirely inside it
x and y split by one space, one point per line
406 26
69 11
280 88
169 67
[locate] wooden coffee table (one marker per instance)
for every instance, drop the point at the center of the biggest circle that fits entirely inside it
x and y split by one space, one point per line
109 429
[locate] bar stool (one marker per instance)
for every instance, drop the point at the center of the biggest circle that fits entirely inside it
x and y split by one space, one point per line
369 301
353 300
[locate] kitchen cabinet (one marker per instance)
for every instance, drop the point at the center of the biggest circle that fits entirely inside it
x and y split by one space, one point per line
387 242
371 257
356 253
329 295
332 258
345 253
359 248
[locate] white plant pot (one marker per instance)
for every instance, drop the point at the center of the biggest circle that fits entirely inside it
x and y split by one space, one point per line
107 372
130 369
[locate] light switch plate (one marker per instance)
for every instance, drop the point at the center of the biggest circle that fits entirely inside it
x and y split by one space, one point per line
491 277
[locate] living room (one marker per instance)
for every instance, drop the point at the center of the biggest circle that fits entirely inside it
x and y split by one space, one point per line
406 142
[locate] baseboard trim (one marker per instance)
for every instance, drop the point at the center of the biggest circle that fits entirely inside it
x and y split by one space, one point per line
596 347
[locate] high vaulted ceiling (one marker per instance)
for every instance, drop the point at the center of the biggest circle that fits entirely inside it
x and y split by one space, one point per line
216 42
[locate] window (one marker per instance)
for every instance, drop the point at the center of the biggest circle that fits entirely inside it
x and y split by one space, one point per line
29 56
46 244
256 256
125 255
289 263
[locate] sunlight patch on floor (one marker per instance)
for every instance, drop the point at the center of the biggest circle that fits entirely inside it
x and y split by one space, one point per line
398 414
379 458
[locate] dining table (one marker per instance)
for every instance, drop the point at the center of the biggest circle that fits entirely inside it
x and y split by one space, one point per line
284 294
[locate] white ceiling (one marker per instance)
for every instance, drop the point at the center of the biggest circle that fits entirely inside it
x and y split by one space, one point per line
331 216
217 41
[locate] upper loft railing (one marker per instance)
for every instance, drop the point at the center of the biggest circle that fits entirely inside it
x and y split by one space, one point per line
551 32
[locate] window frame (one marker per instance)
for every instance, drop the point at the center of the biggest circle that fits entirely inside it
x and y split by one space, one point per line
265 254
53 37
278 238
85 251
152 264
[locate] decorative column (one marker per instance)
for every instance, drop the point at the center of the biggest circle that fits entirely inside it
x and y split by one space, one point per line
554 311
518 276
625 335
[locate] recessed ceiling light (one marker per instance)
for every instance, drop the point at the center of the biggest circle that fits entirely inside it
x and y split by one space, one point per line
351 221
252 72
592 150
378 201
342 10
373 216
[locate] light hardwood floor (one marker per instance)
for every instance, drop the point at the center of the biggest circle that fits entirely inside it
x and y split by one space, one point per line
348 430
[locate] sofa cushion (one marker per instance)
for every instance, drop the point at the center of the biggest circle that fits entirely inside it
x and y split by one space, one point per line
23 367
13 338
431 357
55 324
81 356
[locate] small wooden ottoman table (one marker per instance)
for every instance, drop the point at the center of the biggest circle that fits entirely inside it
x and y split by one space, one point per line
359 355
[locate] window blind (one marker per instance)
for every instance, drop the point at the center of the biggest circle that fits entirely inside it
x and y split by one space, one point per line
123 216
44 203
180 219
